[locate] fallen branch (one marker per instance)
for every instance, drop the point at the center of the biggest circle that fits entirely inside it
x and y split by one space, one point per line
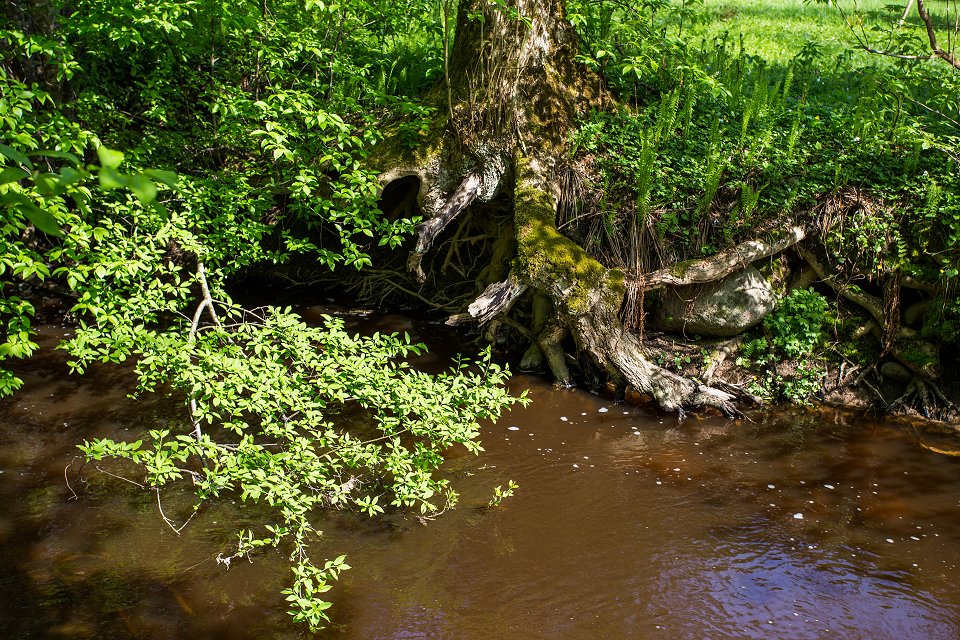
721 264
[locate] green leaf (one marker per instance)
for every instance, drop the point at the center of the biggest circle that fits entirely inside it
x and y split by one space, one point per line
41 219
48 184
143 188
168 178
12 174
162 210
109 158
15 155
110 179
64 155
69 176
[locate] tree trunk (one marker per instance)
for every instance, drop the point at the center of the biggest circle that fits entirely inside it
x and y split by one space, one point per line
517 91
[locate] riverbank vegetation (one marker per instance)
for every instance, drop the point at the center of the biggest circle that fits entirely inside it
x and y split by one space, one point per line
587 182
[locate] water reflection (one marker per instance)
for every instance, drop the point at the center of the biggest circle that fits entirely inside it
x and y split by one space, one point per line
626 525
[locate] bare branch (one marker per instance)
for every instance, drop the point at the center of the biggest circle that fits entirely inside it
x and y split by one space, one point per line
169 522
67 480
872 304
206 304
113 475
947 56
906 12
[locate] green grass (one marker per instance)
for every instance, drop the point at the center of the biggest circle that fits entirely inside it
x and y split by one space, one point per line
778 30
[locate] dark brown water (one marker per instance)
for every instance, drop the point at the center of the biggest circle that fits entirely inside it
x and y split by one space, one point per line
626 525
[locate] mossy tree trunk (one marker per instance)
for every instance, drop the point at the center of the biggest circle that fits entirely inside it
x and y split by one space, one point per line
515 92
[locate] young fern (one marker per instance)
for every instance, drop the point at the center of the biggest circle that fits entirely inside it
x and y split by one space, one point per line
787 82
711 182
648 158
690 101
794 135
748 202
667 117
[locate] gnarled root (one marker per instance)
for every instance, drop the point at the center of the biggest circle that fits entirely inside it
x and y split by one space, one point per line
919 356
721 264
587 299
925 395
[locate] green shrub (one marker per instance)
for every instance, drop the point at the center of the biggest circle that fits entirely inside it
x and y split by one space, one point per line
797 325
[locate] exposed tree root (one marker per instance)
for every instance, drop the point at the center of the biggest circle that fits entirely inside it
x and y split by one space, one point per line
925 396
428 230
541 310
917 355
518 90
495 300
587 298
721 353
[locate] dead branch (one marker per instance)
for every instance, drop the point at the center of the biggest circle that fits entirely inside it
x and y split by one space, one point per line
720 264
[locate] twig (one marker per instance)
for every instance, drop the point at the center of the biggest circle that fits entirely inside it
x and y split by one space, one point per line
119 477
169 522
67 480
419 297
208 304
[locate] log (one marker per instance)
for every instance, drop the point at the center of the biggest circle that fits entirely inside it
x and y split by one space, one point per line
721 264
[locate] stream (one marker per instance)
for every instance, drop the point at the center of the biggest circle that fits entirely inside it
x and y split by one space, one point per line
800 524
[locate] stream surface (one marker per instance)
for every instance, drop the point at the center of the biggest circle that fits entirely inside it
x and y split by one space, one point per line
626 525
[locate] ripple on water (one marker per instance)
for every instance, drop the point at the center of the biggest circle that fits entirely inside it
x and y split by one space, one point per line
760 585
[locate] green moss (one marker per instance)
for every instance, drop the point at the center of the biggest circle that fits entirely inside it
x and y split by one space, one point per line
393 151
551 260
680 269
922 355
